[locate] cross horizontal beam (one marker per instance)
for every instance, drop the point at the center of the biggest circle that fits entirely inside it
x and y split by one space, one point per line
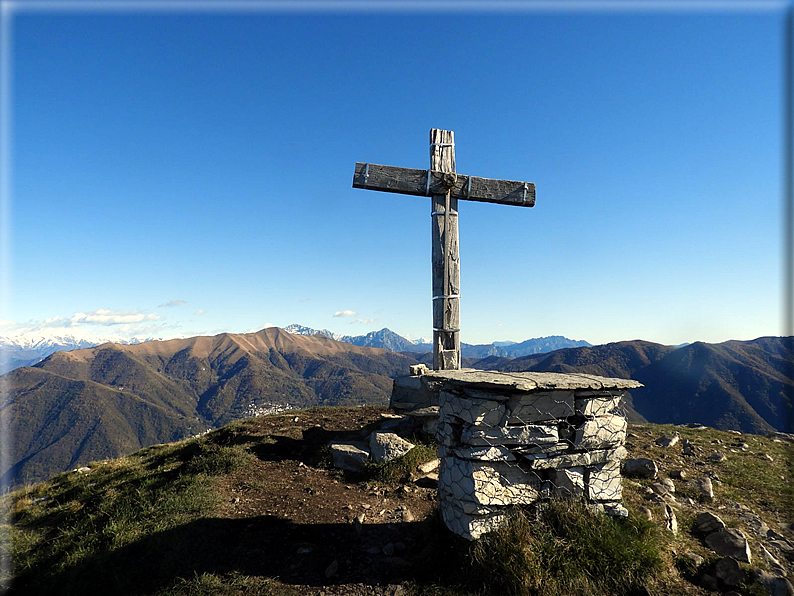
469 188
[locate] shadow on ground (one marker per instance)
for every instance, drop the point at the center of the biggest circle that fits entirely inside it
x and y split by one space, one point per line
310 448
265 546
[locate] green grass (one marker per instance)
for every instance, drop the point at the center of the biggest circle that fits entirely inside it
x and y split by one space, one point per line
77 521
569 550
565 549
229 584
745 476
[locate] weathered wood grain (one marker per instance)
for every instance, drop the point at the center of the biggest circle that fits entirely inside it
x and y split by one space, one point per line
446 259
409 181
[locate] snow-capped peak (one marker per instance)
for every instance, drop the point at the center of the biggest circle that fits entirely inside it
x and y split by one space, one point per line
47 344
296 329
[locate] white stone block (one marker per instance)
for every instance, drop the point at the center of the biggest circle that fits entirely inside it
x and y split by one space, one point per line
601 432
487 483
469 507
615 509
538 406
548 450
602 456
349 456
413 382
418 369
479 412
542 461
528 434
497 453
412 392
468 525
599 405
385 447
603 482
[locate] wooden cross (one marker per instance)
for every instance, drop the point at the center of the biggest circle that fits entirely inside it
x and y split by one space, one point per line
446 187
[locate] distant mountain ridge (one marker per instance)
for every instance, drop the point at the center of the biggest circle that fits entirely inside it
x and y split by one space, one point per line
385 338
105 401
16 352
27 350
388 339
296 329
537 345
734 385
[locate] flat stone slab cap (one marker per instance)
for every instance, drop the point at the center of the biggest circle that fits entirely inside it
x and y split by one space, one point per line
529 381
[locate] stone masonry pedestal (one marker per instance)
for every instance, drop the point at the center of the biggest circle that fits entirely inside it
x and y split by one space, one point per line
509 439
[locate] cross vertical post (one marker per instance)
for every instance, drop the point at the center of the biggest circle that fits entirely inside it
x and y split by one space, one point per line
446 257
442 183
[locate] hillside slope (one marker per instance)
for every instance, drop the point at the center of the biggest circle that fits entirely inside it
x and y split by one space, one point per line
108 400
257 508
739 385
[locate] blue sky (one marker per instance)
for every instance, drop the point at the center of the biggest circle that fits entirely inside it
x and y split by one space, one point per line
182 172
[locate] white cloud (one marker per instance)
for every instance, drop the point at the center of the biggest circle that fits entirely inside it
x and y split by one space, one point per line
200 312
94 324
106 317
171 304
345 313
56 322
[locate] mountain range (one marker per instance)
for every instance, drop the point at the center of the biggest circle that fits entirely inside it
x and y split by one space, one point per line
105 401
734 385
27 350
386 338
89 404
16 352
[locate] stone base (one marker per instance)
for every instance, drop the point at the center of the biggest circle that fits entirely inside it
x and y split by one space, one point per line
510 439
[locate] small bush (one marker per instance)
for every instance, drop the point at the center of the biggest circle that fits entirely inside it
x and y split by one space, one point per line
213 460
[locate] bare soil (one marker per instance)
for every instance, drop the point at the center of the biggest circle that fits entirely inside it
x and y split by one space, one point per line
317 529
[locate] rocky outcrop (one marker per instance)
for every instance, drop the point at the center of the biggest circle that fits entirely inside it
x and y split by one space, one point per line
641 467
349 456
735 568
730 543
384 447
